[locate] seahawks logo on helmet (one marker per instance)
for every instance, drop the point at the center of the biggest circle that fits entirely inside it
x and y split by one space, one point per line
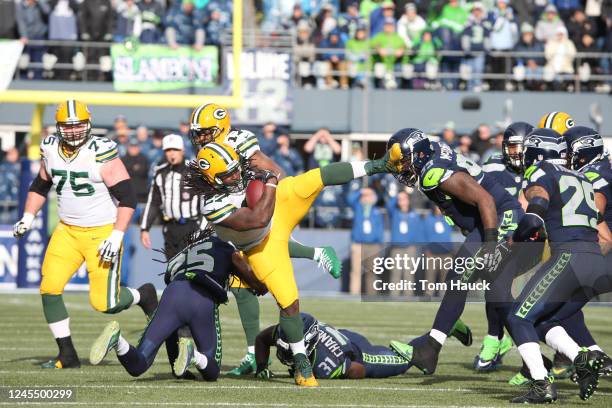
203 164
219 114
533 141
411 140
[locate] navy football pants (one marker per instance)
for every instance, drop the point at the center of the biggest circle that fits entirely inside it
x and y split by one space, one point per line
379 361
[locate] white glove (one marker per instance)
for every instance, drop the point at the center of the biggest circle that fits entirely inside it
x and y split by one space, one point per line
109 248
23 225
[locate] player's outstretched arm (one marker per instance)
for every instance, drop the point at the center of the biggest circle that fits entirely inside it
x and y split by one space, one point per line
245 219
245 273
37 195
263 342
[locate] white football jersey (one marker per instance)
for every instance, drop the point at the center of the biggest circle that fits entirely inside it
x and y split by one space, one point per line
83 199
244 142
220 207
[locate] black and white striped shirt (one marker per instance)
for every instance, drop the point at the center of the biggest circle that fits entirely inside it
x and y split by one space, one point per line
169 198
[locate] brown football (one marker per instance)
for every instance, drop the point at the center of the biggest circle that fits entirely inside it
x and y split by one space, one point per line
254 191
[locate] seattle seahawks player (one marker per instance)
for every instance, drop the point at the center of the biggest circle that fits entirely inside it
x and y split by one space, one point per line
478 205
198 278
335 353
507 169
561 203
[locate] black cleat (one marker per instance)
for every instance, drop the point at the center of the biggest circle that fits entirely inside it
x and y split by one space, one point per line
148 299
67 357
540 392
425 353
587 364
606 364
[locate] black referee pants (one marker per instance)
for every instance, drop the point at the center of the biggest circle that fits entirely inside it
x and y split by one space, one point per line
175 235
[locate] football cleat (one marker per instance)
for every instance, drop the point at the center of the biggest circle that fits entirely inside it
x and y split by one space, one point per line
104 343
425 350
148 299
562 367
519 379
62 362
404 350
486 360
587 364
462 332
185 356
505 345
540 392
606 364
329 261
303 372
247 366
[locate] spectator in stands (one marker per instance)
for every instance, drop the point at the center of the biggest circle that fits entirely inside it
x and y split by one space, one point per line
450 41
475 41
329 207
8 20
188 148
137 166
119 124
388 51
10 168
335 59
304 52
267 139
63 27
407 230
481 139
32 25
216 22
381 16
351 21
425 52
448 134
504 36
96 22
297 16
465 148
496 147
122 140
524 11
410 26
152 13
184 25
366 7
453 16
367 236
438 235
322 149
579 25
287 157
129 22
276 14
532 65
142 135
325 22
560 53
156 153
358 57
548 24
566 8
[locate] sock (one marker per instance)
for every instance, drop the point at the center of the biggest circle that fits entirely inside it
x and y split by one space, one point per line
298 347
126 299
558 339
251 349
297 250
595 348
122 346
495 326
337 173
200 360
293 327
530 352
61 328
54 308
359 169
135 294
248 309
438 336
66 348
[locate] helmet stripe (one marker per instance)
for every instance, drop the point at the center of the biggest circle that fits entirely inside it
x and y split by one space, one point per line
196 115
221 151
550 119
71 108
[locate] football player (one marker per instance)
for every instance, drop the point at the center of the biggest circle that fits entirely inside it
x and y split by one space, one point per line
561 203
95 203
335 353
478 205
560 122
211 123
198 277
263 232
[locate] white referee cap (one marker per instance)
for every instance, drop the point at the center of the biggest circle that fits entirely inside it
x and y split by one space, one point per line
172 141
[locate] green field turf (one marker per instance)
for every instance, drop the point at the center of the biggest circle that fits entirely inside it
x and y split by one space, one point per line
25 341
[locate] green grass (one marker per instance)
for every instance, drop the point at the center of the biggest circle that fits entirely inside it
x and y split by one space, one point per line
25 341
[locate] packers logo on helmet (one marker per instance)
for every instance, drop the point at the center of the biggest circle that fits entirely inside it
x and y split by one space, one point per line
73 123
209 123
220 166
557 121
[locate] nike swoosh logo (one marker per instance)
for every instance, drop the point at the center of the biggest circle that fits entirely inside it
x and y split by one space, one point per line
481 365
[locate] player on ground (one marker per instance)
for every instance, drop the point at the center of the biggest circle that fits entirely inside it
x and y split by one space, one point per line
211 123
335 353
478 205
561 201
198 278
95 203
263 232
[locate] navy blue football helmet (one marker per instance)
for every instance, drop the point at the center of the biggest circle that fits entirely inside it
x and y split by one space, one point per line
514 135
416 152
544 145
585 146
311 339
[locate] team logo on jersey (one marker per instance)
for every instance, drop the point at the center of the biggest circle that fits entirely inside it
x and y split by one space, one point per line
203 164
219 114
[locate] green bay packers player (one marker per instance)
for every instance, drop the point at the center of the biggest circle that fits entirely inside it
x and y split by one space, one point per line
95 203
262 233
211 123
560 122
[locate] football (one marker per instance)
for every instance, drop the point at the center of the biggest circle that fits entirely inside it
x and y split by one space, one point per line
254 191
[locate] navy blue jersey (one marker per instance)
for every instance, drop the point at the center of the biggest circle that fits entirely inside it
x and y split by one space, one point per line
600 175
512 182
571 214
443 164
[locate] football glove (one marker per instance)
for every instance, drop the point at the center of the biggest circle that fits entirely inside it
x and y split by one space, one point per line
109 248
23 225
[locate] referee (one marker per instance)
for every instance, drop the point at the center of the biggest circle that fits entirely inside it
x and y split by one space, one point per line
167 196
